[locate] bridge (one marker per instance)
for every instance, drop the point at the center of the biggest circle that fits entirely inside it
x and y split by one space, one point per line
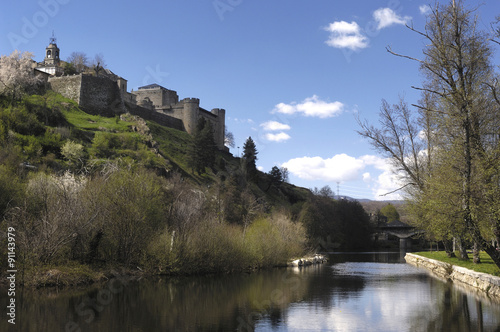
399 229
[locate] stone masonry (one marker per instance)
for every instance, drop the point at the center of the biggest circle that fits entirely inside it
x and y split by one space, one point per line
106 94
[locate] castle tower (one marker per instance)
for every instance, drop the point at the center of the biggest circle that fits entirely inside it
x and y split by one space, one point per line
190 114
52 53
220 130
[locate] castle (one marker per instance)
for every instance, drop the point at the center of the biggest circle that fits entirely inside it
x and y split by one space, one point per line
105 93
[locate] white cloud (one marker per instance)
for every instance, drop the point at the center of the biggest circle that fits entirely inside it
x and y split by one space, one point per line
367 177
312 106
243 120
424 9
274 126
280 137
346 35
338 168
386 17
344 168
387 181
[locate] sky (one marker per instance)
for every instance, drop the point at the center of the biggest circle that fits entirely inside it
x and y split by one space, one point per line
291 74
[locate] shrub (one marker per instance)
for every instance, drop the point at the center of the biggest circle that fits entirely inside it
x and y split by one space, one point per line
274 240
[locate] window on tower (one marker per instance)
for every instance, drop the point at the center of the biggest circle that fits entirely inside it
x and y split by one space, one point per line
49 54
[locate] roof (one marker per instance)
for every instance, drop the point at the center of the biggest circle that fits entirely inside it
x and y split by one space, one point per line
151 86
398 224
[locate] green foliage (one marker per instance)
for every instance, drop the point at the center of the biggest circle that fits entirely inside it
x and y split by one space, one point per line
132 211
69 69
72 151
390 212
336 223
273 240
11 190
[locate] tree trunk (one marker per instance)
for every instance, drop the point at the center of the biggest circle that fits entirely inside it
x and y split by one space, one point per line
448 247
461 249
476 259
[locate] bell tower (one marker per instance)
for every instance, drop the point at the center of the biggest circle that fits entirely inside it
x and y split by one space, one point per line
52 53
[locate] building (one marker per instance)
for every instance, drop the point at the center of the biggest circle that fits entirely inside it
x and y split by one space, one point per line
105 93
51 63
188 110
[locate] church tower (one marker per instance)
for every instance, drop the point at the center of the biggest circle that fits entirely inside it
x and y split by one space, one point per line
51 62
52 53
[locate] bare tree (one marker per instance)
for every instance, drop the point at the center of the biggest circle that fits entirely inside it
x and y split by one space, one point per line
79 60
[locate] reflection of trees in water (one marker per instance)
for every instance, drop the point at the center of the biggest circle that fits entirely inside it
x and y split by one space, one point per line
234 302
168 304
453 310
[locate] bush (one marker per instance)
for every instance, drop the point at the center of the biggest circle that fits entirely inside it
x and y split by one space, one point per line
274 240
214 247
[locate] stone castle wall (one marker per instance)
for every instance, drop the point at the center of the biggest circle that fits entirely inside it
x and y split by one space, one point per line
95 95
157 117
102 96
68 86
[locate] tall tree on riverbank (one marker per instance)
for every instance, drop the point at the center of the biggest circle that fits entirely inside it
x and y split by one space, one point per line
462 116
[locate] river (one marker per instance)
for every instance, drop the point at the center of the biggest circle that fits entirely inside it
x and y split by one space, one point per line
352 292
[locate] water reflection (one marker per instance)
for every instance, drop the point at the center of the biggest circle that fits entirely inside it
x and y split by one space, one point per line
353 292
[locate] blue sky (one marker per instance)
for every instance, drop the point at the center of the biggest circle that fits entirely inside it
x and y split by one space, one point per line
291 74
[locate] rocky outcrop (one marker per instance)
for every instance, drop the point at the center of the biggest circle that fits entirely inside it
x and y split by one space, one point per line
481 281
309 260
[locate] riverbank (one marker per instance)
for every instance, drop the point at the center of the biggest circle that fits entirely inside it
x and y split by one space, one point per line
484 282
73 274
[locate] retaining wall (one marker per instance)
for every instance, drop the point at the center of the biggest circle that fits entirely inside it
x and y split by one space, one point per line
457 274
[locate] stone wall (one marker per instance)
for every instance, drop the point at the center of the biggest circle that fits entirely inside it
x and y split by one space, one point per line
481 281
68 86
100 95
95 95
157 117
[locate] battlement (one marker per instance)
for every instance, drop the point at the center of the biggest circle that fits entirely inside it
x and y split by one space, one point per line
191 100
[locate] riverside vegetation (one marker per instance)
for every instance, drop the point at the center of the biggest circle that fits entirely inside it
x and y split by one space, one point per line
90 196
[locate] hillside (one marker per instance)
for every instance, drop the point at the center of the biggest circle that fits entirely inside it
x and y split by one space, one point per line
87 194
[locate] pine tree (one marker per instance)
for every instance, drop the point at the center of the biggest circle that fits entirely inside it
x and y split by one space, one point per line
250 158
203 148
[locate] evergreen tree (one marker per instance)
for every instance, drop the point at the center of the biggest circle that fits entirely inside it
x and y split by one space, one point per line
250 157
203 148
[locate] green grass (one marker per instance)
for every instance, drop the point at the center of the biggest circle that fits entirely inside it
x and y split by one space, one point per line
85 121
487 265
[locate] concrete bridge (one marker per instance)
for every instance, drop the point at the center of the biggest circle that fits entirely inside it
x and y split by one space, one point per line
399 229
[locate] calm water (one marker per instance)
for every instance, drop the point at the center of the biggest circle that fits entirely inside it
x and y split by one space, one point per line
353 292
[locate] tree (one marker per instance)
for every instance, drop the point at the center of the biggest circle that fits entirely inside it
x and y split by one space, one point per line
250 157
459 118
228 138
69 69
390 212
98 61
203 147
79 60
275 175
17 76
